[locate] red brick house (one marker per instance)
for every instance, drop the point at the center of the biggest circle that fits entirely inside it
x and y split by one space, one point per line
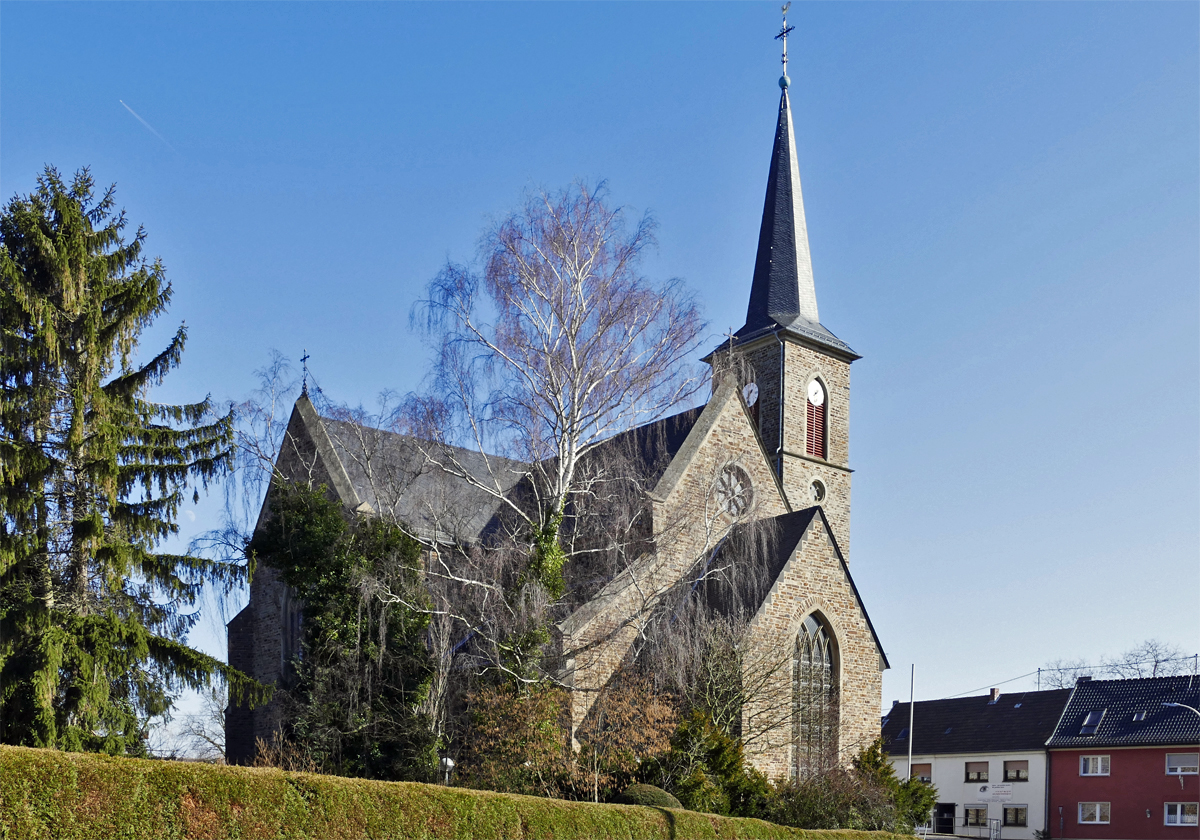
1125 762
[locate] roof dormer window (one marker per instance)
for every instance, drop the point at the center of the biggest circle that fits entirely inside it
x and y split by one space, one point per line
1092 722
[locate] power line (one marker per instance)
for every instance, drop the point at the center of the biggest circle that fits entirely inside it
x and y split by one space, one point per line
1068 668
992 685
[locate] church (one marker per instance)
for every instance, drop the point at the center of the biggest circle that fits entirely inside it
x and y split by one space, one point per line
768 452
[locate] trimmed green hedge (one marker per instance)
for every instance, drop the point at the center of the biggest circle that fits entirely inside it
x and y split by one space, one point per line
51 794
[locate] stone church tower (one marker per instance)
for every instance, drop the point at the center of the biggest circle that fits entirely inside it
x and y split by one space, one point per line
799 370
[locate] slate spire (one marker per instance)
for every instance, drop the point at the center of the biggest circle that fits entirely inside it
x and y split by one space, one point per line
782 291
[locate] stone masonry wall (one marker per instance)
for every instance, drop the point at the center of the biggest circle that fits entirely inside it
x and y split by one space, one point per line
804 364
814 581
801 365
688 523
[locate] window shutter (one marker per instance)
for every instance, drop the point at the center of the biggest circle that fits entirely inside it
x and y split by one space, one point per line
815 443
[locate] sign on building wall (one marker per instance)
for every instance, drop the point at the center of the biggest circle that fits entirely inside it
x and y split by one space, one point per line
998 792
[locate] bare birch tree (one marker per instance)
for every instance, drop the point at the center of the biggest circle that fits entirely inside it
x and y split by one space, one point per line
558 344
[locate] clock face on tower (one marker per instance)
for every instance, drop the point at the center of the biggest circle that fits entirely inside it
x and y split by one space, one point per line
816 394
750 394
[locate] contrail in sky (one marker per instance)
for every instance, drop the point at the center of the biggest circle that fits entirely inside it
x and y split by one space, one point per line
152 131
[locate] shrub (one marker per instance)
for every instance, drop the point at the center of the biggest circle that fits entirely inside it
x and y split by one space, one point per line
705 768
640 794
868 797
834 799
629 724
517 742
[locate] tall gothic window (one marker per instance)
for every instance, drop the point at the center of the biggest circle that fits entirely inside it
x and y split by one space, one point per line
815 439
291 619
814 699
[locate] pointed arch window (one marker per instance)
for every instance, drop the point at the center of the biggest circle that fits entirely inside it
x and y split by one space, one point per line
814 699
815 420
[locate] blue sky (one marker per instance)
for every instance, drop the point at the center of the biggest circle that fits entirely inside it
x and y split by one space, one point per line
1003 210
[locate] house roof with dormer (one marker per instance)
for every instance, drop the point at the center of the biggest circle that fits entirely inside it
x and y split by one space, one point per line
1015 722
1129 713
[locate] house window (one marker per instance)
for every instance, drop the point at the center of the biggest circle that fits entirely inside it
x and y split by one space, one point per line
1016 771
975 815
1093 765
1095 813
1139 716
1092 722
977 771
814 699
815 439
1016 814
923 772
1180 813
1183 764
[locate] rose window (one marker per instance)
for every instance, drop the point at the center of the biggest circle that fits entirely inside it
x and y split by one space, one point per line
733 490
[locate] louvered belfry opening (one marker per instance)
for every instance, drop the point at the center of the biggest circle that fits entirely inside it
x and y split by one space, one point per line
815 443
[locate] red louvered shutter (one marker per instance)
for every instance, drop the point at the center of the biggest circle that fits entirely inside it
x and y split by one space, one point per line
815 444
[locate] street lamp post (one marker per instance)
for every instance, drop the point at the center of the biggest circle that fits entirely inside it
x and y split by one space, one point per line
1184 706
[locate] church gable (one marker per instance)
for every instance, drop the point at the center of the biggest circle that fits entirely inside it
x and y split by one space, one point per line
815 583
307 456
721 473
718 477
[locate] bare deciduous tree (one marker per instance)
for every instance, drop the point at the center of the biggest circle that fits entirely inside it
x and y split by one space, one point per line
560 343
1151 658
1063 673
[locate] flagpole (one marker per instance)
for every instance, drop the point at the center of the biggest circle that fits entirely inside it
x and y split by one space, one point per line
911 679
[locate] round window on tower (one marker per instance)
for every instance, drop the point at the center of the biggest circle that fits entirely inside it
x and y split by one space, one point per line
817 491
734 493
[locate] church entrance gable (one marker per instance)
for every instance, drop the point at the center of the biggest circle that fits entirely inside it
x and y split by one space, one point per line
813 608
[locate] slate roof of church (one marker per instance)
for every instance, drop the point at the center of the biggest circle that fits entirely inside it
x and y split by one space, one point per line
1120 701
435 503
652 446
429 500
1016 722
772 542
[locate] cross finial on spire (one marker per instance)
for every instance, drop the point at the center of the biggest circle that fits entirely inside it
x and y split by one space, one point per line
782 36
304 362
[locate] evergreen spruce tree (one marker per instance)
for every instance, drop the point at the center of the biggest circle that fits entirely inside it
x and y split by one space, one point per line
94 620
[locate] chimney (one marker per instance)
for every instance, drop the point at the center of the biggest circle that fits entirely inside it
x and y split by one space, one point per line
995 696
895 703
1083 679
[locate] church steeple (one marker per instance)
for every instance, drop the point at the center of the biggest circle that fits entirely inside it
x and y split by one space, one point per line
800 402
782 290
783 297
